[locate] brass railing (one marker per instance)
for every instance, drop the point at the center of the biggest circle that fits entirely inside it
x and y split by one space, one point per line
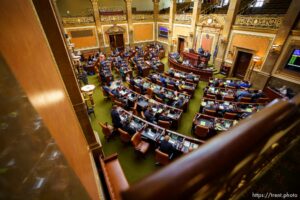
185 18
260 21
226 165
78 20
142 17
112 18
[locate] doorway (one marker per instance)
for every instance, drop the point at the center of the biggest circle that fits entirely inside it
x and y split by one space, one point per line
116 41
180 47
242 62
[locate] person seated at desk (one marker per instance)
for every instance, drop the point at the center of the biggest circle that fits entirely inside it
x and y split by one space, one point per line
202 65
166 147
179 103
163 81
115 92
200 51
232 83
207 55
149 115
140 70
186 62
229 109
190 76
115 116
171 72
126 127
161 94
243 93
244 84
257 94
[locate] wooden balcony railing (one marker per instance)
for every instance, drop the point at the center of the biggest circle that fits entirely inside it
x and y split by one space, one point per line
227 164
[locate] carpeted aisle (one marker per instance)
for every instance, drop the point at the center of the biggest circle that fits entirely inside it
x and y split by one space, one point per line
136 168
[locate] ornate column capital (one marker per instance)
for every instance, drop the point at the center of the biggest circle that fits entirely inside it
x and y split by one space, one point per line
155 1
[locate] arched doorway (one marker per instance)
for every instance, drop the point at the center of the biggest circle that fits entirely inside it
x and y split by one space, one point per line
116 37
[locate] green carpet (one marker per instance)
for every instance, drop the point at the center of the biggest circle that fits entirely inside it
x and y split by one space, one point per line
136 168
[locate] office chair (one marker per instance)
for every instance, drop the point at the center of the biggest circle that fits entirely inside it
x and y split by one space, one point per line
201 131
124 136
107 130
165 124
161 157
210 112
229 115
139 145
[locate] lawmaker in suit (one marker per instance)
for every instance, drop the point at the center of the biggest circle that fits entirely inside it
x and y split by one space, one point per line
115 116
166 146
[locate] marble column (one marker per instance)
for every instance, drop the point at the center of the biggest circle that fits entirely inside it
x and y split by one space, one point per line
129 20
155 16
171 23
231 15
260 79
98 23
195 18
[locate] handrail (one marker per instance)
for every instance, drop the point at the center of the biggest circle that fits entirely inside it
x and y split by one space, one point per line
246 6
218 157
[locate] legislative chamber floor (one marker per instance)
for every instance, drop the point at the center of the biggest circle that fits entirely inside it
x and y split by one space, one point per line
136 168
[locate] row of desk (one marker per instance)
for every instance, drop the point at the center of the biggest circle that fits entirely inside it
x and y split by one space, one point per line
242 109
155 134
129 98
171 83
215 123
168 96
181 75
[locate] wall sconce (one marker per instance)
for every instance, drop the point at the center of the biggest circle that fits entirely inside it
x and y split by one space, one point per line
276 48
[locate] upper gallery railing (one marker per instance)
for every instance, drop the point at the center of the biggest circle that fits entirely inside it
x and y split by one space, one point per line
142 17
78 20
180 18
183 18
113 18
259 21
163 17
228 164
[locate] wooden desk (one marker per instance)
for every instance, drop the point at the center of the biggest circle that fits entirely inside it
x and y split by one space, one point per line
205 75
156 133
243 109
215 124
180 75
181 87
126 94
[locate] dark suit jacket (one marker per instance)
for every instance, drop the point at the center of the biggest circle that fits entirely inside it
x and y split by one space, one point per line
116 120
166 147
